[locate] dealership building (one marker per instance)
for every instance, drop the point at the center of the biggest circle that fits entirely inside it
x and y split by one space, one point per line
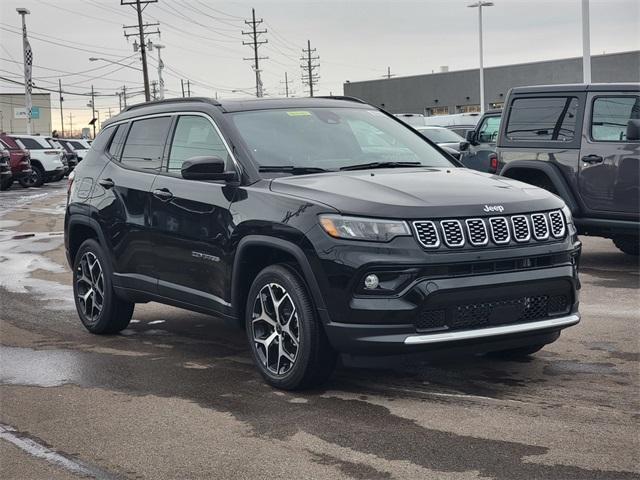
448 92
13 116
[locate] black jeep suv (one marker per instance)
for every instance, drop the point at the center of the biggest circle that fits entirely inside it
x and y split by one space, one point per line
581 142
322 225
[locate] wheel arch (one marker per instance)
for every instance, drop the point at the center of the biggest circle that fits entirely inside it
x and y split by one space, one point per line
534 170
256 252
79 229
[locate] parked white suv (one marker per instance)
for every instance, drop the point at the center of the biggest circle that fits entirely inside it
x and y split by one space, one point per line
46 161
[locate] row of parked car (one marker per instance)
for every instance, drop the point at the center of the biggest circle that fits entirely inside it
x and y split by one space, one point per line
32 160
581 142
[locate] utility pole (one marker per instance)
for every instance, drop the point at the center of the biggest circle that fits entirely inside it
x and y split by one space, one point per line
309 77
182 85
188 88
586 43
109 113
93 110
154 91
160 68
388 74
255 43
61 113
28 62
139 6
124 96
286 84
71 124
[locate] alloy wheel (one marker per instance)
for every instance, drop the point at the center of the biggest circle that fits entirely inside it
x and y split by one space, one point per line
90 286
275 329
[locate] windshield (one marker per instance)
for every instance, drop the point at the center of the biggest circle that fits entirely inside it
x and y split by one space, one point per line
440 135
331 138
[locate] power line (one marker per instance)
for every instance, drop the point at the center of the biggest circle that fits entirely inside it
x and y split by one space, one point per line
254 35
309 68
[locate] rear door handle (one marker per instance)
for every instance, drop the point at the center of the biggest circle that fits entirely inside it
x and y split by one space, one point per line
592 159
163 194
106 183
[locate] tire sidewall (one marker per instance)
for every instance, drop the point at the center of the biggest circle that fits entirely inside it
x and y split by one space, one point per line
108 297
38 175
307 324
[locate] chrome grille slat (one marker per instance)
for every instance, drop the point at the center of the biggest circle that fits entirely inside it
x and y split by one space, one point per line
557 224
540 226
500 230
427 234
477 232
452 233
520 225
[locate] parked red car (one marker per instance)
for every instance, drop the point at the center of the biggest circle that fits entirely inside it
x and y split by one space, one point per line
20 161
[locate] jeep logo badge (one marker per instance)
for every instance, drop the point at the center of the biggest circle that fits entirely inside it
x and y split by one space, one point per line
494 208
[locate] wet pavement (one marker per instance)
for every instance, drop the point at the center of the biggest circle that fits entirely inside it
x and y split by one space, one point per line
176 396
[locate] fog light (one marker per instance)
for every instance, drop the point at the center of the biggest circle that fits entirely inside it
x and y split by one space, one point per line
371 282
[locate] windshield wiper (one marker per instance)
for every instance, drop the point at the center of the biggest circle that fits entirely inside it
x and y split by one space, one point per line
291 169
365 166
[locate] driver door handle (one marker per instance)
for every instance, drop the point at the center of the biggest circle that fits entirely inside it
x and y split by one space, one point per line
106 183
163 194
592 159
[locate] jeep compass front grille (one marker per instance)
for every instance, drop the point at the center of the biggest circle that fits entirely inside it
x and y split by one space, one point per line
496 231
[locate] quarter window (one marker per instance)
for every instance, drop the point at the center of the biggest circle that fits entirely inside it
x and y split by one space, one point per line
195 136
543 119
145 143
118 139
611 115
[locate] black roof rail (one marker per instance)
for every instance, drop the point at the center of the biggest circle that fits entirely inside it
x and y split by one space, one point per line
172 100
342 97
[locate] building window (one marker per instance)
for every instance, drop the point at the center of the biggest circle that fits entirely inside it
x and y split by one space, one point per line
496 105
441 110
468 108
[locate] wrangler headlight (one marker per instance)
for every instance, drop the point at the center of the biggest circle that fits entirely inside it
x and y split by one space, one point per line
370 229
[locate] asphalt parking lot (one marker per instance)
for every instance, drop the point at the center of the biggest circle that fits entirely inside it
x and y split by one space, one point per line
176 396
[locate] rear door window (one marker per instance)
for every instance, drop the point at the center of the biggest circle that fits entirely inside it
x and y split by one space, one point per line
543 119
145 143
195 136
610 117
31 144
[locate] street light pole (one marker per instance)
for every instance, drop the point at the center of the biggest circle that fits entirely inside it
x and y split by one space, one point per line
160 68
479 6
28 60
586 43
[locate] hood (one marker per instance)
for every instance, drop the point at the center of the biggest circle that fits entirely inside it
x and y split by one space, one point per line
418 193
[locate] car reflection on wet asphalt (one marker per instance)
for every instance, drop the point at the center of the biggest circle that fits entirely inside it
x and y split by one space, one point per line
176 396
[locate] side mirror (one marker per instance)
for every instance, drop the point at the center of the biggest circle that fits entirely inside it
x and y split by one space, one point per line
471 137
205 168
633 130
464 146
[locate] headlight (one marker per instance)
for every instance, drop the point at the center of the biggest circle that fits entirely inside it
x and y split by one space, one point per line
356 228
567 215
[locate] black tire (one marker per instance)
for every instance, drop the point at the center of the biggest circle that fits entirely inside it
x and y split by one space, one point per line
36 179
314 359
516 353
114 314
56 178
5 183
629 244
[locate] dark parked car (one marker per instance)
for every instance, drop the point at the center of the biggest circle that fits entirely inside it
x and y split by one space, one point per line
291 218
19 161
481 154
70 159
581 142
5 168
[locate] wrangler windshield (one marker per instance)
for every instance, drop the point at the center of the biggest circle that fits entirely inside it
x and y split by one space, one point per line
332 138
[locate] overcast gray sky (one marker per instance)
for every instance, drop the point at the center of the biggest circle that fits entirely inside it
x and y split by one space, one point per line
355 39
